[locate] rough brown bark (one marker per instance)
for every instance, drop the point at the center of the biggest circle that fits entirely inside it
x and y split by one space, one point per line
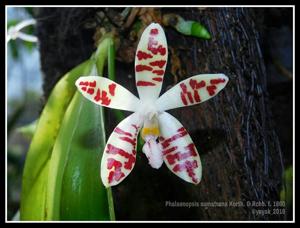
234 132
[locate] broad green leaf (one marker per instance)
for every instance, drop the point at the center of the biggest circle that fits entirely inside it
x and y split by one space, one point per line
42 143
33 206
75 191
59 192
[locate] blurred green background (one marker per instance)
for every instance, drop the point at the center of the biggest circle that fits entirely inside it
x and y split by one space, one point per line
24 92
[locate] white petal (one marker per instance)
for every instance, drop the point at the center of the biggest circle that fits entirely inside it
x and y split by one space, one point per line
120 151
179 151
150 62
105 92
191 91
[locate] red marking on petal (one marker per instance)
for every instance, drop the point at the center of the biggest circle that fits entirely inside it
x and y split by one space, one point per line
130 140
167 151
102 97
84 83
159 63
143 55
189 94
189 167
121 132
97 97
151 47
211 90
181 129
92 84
145 83
190 152
111 89
195 85
113 163
217 81
154 31
185 94
181 132
135 126
105 99
139 68
111 149
158 72
183 99
157 79
196 96
160 49
83 88
90 91
117 174
183 87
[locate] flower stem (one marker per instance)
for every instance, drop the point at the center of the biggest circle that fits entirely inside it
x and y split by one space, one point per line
111 204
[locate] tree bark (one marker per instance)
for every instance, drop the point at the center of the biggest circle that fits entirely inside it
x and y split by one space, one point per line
234 132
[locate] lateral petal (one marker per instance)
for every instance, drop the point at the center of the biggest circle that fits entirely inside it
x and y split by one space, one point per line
105 92
191 91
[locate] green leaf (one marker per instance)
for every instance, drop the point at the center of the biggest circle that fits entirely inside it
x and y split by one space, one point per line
35 172
286 193
75 191
61 178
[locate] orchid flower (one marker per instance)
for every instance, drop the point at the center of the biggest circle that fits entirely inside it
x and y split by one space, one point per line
166 140
14 32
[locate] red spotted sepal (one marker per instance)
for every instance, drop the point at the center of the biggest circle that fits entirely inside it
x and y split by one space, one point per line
120 151
192 91
179 152
150 62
